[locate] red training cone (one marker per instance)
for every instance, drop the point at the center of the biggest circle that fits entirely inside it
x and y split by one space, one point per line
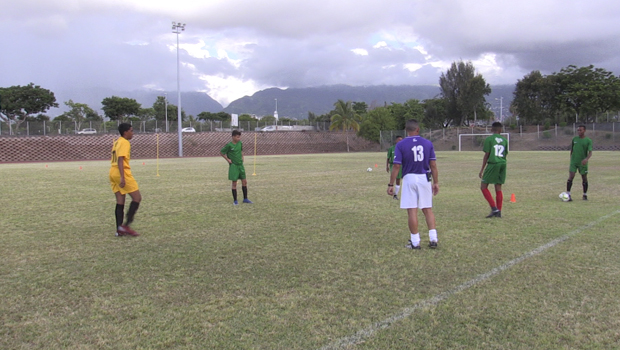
513 199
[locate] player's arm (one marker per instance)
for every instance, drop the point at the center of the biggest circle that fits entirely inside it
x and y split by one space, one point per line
224 154
435 176
121 170
586 159
395 170
484 163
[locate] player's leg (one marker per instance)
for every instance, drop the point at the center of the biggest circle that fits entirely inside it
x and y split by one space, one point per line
412 221
244 184
136 198
234 192
432 229
397 186
584 183
119 212
499 199
484 187
569 182
425 202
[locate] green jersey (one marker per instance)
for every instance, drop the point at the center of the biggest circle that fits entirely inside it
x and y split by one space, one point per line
580 147
497 148
234 152
390 157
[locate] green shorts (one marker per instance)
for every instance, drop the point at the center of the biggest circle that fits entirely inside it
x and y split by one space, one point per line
494 174
583 169
400 171
236 172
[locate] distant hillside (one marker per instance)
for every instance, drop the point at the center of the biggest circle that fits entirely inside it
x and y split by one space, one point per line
296 103
192 103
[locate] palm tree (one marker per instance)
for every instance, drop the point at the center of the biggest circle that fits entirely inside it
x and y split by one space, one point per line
345 118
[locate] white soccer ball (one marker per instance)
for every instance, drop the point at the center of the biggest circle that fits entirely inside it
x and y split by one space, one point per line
369 169
564 196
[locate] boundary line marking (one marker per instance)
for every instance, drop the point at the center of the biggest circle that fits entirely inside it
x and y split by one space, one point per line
364 334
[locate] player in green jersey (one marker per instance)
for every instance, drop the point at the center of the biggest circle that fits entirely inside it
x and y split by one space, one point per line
580 153
494 168
390 162
233 153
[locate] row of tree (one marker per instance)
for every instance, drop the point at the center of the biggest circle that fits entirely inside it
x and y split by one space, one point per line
578 94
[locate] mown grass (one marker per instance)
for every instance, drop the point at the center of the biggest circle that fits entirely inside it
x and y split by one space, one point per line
318 257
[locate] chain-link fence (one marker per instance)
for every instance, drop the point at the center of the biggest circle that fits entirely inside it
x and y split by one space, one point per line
605 136
152 126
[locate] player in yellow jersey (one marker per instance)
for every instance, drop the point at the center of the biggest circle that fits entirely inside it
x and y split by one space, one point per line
122 181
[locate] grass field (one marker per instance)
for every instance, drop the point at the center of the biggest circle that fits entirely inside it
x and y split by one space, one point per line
317 262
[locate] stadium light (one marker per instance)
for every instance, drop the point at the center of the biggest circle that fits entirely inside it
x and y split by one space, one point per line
501 107
177 28
166 107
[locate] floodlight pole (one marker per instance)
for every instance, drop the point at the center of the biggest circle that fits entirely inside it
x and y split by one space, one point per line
166 106
177 28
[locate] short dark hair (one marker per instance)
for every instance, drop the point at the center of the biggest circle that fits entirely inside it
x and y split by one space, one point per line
412 125
397 137
236 132
581 126
496 125
123 128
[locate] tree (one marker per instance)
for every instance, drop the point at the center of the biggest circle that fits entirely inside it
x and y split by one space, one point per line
376 120
79 112
528 98
120 108
19 102
435 115
344 118
411 109
360 108
464 91
160 105
586 91
246 118
220 116
146 114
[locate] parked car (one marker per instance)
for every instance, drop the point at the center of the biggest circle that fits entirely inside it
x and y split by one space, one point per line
190 129
269 128
87 131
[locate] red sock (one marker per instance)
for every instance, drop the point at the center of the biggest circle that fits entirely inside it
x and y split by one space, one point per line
499 195
488 197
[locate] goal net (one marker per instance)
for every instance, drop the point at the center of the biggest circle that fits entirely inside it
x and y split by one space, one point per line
474 142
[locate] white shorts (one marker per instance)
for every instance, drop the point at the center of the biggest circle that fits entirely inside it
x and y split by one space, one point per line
416 192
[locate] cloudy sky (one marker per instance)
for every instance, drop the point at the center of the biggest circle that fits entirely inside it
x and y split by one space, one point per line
232 48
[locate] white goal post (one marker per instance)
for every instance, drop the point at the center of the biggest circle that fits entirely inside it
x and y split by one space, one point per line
503 133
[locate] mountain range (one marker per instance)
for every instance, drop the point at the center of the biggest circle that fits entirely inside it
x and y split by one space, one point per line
291 103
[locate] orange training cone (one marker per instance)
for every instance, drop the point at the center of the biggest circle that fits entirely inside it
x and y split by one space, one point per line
376 165
513 199
142 163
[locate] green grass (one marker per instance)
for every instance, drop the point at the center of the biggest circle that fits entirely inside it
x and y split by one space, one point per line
318 257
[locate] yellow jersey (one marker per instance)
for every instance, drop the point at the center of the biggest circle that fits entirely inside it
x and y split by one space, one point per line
121 148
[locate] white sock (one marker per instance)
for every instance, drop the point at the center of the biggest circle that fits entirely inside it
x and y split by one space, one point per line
432 235
396 189
415 239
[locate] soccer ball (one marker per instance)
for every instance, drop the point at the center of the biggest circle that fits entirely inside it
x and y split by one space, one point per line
369 169
564 196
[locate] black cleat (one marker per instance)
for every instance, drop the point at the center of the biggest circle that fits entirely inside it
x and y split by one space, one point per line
432 244
395 197
411 246
585 197
495 214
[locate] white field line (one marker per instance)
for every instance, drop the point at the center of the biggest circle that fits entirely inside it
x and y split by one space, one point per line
364 334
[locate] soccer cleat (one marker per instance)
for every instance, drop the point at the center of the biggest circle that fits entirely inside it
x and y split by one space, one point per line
495 214
395 197
245 200
235 203
411 246
585 197
127 231
432 244
119 233
570 198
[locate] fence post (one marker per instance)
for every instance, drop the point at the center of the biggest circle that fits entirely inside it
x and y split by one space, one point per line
27 128
521 130
44 128
538 131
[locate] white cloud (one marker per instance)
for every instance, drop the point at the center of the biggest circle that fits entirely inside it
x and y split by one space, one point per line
360 52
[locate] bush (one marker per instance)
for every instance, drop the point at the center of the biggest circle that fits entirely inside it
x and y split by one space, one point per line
608 136
453 147
568 132
547 126
563 124
546 135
